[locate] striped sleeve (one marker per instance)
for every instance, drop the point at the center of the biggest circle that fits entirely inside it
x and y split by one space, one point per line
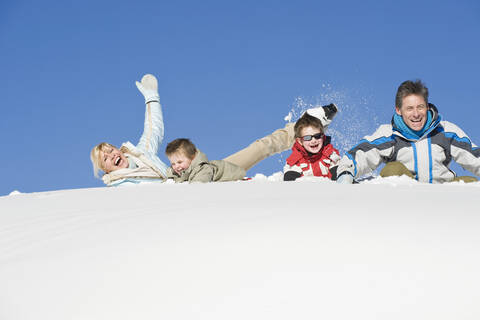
153 131
369 153
462 149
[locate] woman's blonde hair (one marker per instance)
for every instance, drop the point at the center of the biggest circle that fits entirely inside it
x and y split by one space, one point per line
95 156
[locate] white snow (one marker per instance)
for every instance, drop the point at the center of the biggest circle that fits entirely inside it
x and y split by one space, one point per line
261 249
288 117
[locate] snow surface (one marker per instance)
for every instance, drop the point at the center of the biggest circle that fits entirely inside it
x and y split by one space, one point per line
385 249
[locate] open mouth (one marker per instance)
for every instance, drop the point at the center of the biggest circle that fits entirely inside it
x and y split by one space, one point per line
117 161
416 123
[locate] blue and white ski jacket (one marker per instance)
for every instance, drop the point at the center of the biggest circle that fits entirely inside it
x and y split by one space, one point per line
145 165
427 158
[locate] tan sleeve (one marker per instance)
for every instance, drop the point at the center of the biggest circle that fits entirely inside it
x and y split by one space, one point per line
204 173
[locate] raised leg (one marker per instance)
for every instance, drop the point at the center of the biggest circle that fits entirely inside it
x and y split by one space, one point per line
280 140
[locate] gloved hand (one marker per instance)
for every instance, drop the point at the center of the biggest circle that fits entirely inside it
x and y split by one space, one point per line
149 88
345 178
296 168
324 113
291 173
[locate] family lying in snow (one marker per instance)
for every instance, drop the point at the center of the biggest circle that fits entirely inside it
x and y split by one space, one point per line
417 143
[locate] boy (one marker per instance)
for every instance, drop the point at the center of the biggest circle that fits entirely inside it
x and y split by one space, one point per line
312 153
188 164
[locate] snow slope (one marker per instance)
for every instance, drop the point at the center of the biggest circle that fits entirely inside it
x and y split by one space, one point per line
387 249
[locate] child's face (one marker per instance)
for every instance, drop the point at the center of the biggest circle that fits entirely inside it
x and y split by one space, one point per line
179 162
314 145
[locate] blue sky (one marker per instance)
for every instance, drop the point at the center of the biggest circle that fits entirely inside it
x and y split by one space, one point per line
228 72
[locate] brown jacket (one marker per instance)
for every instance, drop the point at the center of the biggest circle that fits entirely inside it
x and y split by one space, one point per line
202 170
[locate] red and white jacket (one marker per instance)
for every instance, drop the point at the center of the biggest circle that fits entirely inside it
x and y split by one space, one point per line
302 163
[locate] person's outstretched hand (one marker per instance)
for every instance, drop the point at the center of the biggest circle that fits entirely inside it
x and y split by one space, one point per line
149 88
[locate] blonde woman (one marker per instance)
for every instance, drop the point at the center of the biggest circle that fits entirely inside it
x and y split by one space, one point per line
130 163
135 164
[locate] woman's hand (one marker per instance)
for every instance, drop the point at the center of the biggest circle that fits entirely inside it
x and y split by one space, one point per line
149 88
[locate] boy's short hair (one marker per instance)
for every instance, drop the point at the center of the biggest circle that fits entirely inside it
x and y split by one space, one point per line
181 145
307 121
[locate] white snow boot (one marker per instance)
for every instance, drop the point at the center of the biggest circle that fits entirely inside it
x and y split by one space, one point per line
324 113
149 88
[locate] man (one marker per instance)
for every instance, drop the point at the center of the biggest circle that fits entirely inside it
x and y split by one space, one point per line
417 143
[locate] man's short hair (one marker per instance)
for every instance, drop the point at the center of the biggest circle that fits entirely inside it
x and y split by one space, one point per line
181 145
411 87
307 121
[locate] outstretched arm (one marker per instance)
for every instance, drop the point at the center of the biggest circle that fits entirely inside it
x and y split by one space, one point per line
153 130
368 154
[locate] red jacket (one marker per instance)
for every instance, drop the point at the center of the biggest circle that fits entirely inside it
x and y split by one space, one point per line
301 162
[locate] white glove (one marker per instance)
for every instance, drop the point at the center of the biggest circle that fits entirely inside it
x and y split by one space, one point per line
149 88
345 178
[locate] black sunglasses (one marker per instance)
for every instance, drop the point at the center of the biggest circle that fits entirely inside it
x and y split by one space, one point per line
309 137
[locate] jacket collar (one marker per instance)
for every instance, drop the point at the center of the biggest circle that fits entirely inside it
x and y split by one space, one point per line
145 168
299 152
436 118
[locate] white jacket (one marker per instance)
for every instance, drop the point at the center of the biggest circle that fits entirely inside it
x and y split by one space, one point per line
427 158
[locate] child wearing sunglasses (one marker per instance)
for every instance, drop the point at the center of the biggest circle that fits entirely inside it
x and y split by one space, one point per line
312 152
189 164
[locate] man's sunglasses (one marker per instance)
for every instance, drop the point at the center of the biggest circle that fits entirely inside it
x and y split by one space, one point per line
309 137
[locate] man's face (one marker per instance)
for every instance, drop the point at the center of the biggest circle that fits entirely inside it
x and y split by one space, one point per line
179 162
413 111
112 159
313 145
